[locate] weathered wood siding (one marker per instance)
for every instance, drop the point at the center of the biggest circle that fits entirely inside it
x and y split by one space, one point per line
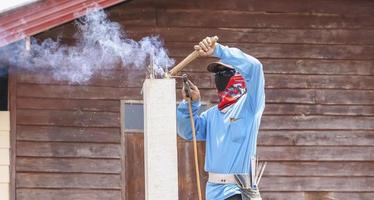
317 129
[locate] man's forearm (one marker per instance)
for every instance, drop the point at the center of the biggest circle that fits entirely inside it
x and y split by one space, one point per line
183 121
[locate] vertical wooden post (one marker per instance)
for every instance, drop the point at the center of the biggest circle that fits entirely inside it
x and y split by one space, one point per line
12 90
160 141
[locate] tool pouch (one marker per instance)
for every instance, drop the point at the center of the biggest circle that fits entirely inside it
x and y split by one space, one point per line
248 192
251 194
248 183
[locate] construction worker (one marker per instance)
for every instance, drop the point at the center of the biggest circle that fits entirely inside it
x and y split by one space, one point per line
230 128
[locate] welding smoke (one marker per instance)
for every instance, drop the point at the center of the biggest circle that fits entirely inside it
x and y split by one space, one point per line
100 44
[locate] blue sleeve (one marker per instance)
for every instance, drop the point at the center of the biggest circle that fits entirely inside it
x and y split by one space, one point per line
250 68
184 124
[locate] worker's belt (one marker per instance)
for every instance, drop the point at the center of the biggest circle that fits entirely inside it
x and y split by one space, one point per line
221 178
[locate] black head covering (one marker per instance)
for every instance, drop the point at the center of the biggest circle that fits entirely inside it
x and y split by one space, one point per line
223 73
222 78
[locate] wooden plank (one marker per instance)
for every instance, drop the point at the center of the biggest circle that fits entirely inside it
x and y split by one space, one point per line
319 81
203 80
123 173
134 166
4 191
111 78
319 6
328 184
355 97
317 122
77 92
117 76
68 165
282 195
120 13
253 35
319 169
300 109
305 66
81 150
68 104
305 96
145 16
316 138
4 174
58 194
294 51
308 96
4 157
4 140
68 118
235 35
68 134
67 181
344 8
320 96
316 153
13 131
357 195
278 195
4 121
298 66
234 19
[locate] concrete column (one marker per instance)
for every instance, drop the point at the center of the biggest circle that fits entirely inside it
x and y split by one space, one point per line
160 141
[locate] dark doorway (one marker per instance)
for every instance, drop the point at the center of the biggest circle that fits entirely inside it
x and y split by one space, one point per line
4 88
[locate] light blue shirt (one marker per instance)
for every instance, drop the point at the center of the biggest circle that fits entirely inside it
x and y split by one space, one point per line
230 136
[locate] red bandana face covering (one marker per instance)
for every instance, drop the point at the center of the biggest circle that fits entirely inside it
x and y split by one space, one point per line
234 90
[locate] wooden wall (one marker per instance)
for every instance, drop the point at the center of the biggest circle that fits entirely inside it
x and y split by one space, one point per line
316 133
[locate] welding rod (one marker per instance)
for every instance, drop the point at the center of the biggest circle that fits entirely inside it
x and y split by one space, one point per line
261 172
187 60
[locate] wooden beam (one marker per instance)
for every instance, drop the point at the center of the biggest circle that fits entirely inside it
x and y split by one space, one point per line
12 89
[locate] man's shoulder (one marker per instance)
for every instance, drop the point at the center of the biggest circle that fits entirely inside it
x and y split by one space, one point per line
210 110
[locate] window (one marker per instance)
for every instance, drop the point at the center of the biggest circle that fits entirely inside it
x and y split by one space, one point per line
132 116
3 88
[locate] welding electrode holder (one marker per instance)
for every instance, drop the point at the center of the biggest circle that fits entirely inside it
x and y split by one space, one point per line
186 86
187 90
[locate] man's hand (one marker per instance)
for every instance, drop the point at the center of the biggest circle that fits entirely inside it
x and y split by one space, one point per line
206 47
195 93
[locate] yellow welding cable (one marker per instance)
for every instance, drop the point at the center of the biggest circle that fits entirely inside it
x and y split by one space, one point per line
195 150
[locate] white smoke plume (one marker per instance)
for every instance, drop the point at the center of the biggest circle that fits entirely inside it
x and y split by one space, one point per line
100 44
